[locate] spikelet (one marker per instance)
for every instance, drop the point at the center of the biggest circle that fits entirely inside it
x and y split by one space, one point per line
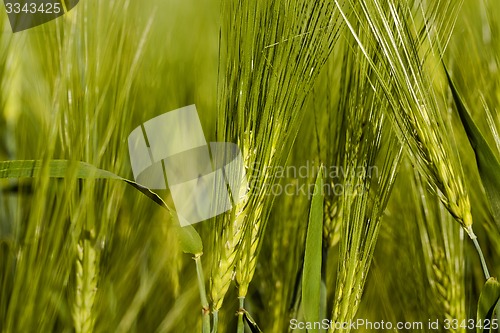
332 222
228 241
86 287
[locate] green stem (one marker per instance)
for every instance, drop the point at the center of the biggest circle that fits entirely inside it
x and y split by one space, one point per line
241 324
205 311
215 315
479 251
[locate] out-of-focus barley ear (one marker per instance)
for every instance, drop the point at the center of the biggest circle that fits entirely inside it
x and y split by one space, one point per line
443 253
333 221
443 287
87 271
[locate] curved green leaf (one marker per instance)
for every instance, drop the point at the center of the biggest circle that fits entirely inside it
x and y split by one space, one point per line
488 300
323 301
487 163
189 239
311 278
251 323
62 168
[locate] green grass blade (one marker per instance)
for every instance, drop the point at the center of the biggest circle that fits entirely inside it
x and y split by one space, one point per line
60 169
488 300
189 240
188 237
311 279
251 323
323 304
487 163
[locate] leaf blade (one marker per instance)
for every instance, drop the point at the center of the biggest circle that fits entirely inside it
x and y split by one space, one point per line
488 300
251 323
487 163
189 239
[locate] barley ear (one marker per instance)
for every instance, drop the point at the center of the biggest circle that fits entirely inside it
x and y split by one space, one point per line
228 237
86 286
415 111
